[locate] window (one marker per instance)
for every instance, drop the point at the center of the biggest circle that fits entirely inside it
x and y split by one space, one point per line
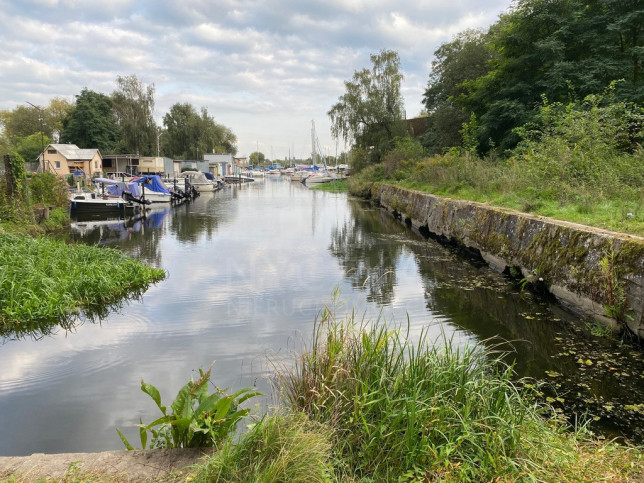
51 151
57 164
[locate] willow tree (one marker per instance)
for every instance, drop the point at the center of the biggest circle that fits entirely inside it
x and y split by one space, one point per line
133 103
370 113
190 134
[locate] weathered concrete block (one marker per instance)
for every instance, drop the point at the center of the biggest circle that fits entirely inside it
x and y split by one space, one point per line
594 271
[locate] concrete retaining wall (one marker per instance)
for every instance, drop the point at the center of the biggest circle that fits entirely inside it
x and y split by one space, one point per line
593 271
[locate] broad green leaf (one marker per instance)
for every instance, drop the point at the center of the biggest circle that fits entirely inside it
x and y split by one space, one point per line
222 407
125 441
207 405
153 392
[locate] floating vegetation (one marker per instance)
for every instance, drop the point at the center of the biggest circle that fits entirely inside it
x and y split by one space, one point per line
600 379
44 282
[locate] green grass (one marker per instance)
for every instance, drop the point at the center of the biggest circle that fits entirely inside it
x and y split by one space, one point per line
44 281
434 411
279 448
614 202
338 186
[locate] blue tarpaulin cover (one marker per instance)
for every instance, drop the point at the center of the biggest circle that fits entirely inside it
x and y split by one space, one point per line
153 183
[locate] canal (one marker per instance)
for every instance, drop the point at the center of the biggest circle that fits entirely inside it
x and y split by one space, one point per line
249 268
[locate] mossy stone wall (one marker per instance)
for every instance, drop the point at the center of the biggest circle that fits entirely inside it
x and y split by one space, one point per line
566 257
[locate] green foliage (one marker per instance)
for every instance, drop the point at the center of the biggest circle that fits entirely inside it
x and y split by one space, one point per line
48 189
565 50
464 59
92 122
198 419
189 134
370 111
397 407
432 411
336 186
31 146
44 280
286 448
580 162
133 103
583 147
58 220
256 158
404 149
15 204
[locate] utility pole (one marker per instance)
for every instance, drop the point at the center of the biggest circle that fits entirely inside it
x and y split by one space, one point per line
42 141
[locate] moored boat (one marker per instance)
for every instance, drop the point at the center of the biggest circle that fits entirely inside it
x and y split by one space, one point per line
110 197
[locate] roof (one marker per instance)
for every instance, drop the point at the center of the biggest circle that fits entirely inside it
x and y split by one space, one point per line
71 151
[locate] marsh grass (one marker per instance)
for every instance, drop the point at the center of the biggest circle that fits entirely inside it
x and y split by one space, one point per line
608 193
45 281
282 447
337 186
435 411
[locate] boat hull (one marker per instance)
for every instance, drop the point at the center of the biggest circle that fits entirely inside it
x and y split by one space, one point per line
100 205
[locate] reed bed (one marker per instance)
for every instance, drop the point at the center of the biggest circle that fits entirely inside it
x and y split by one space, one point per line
436 411
47 280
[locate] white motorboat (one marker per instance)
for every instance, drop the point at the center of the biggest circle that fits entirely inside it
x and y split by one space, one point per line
198 180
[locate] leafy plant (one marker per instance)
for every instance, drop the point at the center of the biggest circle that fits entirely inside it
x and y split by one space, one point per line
197 419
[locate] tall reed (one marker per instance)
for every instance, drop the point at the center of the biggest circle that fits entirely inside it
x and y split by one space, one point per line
421 411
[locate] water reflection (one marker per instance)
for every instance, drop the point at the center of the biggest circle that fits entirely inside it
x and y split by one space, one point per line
249 268
368 259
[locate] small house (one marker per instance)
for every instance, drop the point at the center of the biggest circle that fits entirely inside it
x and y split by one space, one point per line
64 159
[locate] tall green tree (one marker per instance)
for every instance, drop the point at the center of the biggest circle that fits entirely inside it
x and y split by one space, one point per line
55 114
91 123
370 112
189 134
563 49
30 146
21 122
256 158
463 59
133 103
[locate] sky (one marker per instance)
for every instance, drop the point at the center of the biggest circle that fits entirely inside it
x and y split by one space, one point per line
266 69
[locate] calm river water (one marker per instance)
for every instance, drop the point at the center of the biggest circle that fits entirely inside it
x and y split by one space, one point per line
249 268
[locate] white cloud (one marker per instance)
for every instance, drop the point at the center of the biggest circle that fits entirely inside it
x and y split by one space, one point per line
264 69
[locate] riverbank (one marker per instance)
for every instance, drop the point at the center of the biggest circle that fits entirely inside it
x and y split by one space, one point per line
165 465
593 271
366 403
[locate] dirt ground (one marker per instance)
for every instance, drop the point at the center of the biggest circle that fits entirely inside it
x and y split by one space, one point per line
163 465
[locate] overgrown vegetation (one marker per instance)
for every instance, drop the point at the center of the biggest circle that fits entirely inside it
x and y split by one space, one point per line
577 163
282 447
368 404
44 281
337 186
22 195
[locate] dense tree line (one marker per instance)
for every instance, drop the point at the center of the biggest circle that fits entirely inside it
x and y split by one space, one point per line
119 123
555 50
487 89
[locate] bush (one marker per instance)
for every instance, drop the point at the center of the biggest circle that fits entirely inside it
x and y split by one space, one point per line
48 189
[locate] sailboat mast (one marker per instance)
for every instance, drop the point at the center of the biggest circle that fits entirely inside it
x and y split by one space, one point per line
313 143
